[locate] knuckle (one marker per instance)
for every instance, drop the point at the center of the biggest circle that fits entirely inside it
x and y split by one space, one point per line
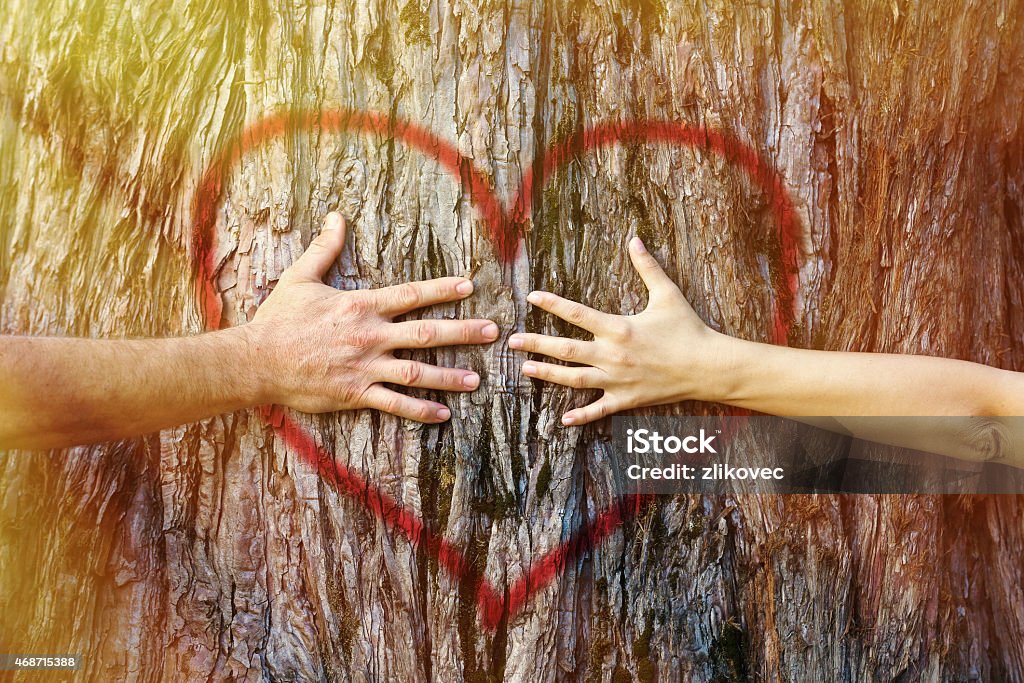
410 373
355 305
576 313
408 295
622 332
392 404
569 350
622 358
424 333
361 338
578 381
423 412
348 394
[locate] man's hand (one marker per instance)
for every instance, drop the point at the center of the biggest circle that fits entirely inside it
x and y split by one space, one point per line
662 355
310 347
325 349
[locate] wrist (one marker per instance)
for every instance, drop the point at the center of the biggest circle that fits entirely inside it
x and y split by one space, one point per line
256 379
726 359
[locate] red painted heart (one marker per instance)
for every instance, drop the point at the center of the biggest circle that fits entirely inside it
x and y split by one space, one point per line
505 231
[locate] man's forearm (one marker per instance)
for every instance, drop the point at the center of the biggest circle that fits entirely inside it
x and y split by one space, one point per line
59 392
309 347
801 382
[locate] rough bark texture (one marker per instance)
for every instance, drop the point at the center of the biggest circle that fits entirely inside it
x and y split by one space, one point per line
210 552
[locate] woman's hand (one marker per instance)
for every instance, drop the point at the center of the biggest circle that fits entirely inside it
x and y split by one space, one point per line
663 355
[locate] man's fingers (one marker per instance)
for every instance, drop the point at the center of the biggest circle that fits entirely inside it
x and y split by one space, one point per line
570 311
322 251
577 378
403 298
412 373
423 334
557 347
381 398
597 410
655 279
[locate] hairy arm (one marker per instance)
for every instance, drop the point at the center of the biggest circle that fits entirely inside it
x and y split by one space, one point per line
309 347
667 354
61 392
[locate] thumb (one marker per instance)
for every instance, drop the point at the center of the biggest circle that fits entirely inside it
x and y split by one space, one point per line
322 251
657 282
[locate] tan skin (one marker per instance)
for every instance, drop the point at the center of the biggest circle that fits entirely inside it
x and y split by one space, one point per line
317 349
309 347
630 360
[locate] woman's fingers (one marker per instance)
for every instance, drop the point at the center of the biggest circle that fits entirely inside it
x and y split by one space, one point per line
381 398
577 378
412 373
657 282
422 334
570 311
561 348
597 410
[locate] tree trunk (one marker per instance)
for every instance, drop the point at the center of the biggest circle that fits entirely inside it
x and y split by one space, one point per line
224 550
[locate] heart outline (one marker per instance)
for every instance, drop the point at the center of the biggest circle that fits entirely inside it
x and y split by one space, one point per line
505 228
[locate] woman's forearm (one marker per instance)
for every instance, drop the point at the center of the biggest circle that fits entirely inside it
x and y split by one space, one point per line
666 354
801 382
939 405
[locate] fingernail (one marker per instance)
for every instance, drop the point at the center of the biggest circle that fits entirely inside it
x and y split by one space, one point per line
333 221
529 368
533 297
568 420
515 342
464 287
443 413
471 381
490 331
638 244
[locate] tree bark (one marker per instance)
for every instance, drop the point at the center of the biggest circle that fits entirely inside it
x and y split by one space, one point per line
213 551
